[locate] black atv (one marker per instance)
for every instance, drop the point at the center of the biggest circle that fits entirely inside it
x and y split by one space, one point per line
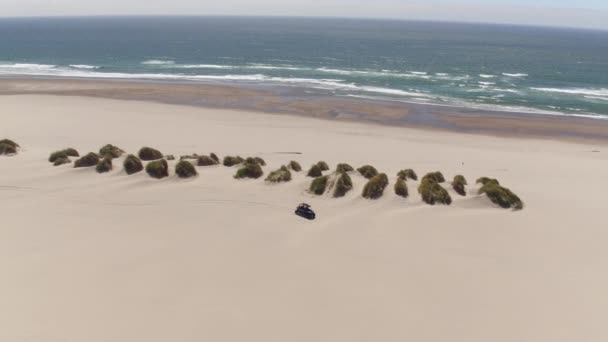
305 211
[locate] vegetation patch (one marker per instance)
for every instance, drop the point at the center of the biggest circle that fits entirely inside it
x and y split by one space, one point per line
459 184
343 167
185 169
401 188
206 161
231 161
250 169
368 171
437 177
88 160
374 189
281 175
63 154
8 147
170 157
104 165
315 171
260 161
319 185
407 173
432 192
61 161
189 157
158 169
344 184
487 180
294 166
148 153
132 165
111 150
323 166
501 196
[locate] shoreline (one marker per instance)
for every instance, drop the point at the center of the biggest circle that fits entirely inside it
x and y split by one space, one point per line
302 102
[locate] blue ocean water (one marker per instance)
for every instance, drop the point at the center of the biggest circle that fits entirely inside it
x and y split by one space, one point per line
529 69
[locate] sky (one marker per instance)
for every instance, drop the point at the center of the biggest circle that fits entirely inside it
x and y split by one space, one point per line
570 13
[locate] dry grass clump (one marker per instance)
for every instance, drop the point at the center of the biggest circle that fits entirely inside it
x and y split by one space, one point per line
206 161
319 185
407 173
111 150
8 147
294 166
343 185
132 165
281 175
61 161
343 167
104 165
250 169
458 184
148 153
437 177
185 169
63 154
323 166
315 171
158 169
88 160
368 171
432 192
374 189
401 188
231 161
501 196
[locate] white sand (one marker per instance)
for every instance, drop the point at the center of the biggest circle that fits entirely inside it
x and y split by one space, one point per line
112 258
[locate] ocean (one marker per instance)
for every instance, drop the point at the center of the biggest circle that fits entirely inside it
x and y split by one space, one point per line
494 67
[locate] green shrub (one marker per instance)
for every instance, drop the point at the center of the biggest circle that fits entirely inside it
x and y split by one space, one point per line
374 189
343 167
344 184
315 171
206 161
295 166
432 192
231 161
250 169
185 169
158 169
148 153
281 175
458 184
170 157
323 166
407 173
68 152
61 161
88 160
401 188
104 165
215 157
318 185
437 177
503 197
486 181
132 165
368 171
111 150
8 146
260 161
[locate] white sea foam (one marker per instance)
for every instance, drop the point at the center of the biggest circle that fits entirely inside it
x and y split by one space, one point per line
487 83
27 66
486 76
84 66
157 62
515 75
576 91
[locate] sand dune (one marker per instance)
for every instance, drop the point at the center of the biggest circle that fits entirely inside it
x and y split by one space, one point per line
89 257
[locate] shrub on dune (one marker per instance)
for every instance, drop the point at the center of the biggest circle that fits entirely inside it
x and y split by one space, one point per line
344 184
343 167
170 157
189 157
458 184
432 192
61 161
158 169
368 171
8 147
250 169
487 180
260 161
315 171
206 161
148 153
407 173
295 166
214 157
401 188
132 165
104 165
88 160
318 185
501 196
281 175
185 169
323 166
374 189
231 161
63 154
111 150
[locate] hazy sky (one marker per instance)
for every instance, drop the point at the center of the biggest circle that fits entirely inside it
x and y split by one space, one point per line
578 13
